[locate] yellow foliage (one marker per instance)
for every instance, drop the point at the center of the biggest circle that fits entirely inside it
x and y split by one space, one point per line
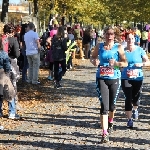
99 11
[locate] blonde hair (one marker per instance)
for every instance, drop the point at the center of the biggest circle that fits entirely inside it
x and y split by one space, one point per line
1 27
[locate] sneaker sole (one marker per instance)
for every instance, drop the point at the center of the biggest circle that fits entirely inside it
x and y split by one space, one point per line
135 118
14 118
130 127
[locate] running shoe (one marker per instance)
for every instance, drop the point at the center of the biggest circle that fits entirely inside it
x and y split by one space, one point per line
105 138
130 123
110 127
57 85
14 116
1 128
60 86
135 114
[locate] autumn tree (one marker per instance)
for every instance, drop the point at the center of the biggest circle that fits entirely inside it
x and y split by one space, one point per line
97 11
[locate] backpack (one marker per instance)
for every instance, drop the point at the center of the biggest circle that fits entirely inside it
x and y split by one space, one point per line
8 45
13 47
44 37
58 53
49 56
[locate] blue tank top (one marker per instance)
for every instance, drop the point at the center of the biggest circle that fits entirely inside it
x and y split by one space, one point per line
131 72
104 71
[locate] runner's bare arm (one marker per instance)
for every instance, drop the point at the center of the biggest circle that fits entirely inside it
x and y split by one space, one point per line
95 52
122 62
94 55
146 61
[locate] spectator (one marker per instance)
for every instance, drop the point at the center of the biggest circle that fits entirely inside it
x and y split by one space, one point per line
33 53
86 42
59 46
23 51
11 46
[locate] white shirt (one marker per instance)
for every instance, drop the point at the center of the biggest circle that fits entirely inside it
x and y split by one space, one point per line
30 39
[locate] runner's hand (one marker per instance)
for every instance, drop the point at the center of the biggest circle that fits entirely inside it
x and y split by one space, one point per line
138 64
112 62
95 62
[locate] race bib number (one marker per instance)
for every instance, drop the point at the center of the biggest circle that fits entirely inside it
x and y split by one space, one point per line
132 73
106 71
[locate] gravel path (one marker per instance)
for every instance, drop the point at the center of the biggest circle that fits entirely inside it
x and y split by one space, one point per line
70 120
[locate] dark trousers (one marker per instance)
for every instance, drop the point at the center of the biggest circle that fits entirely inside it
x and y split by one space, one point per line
51 66
132 90
25 67
69 63
108 91
149 47
58 74
20 62
144 42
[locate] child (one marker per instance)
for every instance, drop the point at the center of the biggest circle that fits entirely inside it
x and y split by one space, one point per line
12 48
7 90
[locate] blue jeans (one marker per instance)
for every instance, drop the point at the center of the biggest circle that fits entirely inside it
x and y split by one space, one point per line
11 106
25 66
59 72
